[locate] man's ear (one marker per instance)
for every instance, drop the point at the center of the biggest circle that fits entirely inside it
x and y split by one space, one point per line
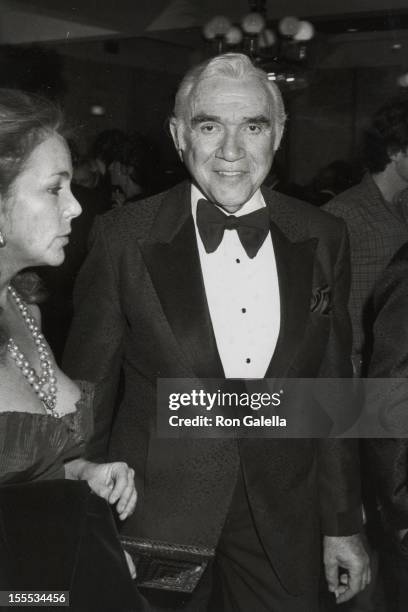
2 211
278 136
176 134
2 222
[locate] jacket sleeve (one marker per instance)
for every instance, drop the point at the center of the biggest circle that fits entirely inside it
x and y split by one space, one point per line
94 348
388 457
338 458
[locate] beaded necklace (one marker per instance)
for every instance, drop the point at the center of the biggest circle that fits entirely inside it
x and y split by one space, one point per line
43 384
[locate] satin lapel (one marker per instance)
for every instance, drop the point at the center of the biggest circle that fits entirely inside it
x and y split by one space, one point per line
172 259
294 261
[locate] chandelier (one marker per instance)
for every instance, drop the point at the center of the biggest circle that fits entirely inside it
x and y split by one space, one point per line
281 52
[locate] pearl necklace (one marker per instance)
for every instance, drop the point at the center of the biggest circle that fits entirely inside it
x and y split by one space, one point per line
43 384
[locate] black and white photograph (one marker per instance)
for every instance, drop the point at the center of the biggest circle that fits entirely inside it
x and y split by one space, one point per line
204 305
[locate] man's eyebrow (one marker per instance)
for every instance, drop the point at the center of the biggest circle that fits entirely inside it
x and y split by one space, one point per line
202 117
261 119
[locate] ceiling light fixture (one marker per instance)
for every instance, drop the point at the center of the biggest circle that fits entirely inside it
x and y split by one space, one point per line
281 52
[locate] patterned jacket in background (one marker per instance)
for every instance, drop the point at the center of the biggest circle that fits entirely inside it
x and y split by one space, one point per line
377 229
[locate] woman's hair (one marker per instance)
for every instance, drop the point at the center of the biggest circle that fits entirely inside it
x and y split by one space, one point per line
26 120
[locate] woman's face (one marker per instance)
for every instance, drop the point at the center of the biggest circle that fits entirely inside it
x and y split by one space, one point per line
36 215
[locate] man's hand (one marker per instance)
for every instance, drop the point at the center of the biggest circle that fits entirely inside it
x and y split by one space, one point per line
347 566
112 481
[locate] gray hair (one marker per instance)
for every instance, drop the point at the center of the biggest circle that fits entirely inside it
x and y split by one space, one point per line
230 65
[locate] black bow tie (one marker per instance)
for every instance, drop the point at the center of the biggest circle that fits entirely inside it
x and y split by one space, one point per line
212 222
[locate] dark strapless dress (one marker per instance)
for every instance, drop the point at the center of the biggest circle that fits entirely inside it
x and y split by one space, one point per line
55 534
35 446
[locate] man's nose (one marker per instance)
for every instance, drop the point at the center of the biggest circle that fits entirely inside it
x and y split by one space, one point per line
231 147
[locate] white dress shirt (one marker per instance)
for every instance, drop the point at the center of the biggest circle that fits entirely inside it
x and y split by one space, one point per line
242 296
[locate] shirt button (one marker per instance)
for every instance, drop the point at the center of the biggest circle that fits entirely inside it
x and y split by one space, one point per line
243 310
248 360
238 260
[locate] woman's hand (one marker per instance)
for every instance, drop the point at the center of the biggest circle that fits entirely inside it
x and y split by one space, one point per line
130 564
115 483
112 481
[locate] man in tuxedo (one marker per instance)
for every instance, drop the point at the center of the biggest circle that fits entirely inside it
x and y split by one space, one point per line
218 278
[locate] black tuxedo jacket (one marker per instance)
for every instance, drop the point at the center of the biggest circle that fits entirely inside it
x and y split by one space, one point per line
141 313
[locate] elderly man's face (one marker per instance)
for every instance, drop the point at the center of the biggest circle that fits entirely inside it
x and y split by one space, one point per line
226 138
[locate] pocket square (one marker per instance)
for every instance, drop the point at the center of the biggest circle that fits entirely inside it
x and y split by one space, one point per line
321 300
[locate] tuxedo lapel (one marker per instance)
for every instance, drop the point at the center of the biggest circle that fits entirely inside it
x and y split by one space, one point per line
172 259
294 262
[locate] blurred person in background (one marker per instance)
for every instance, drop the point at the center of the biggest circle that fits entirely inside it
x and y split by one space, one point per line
120 159
376 214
